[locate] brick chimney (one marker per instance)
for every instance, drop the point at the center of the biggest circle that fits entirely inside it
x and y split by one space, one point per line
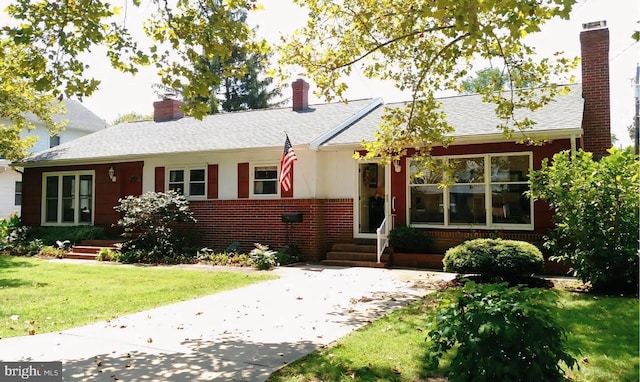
596 118
168 109
300 94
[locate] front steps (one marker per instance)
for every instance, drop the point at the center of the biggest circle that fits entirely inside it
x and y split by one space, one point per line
355 255
88 249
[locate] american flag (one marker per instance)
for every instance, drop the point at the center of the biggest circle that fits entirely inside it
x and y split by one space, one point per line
286 165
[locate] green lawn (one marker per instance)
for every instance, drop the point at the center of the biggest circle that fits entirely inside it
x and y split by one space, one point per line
41 296
604 329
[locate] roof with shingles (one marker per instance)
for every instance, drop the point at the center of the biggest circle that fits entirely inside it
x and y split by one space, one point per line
472 117
266 128
228 131
77 116
81 118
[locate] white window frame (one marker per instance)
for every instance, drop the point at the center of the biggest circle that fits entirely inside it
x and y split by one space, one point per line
76 202
187 180
252 172
489 225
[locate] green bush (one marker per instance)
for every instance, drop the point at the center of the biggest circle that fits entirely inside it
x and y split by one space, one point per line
595 206
263 257
494 257
108 254
409 240
496 333
51 251
288 254
74 234
149 222
208 256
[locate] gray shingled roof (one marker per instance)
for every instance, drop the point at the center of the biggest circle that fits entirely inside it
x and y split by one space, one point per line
81 118
265 129
78 117
472 117
231 131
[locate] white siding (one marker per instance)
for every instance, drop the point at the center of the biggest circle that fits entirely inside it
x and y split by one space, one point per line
336 170
8 178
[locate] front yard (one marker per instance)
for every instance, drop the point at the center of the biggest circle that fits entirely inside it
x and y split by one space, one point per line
39 296
602 335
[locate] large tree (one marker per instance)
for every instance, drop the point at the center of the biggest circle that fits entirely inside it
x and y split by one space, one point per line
428 46
44 43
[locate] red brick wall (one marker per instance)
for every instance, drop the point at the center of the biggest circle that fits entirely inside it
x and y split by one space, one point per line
596 120
324 222
167 110
542 213
106 195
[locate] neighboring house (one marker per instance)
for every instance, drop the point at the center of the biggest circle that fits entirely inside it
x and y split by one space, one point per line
81 122
228 164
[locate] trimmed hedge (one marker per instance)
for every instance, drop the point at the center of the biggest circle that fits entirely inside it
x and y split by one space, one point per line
409 240
494 257
75 234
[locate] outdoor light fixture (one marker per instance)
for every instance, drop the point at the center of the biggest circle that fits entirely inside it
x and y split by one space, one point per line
396 165
112 174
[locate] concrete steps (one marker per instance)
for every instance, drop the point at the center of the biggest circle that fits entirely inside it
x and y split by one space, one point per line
88 249
355 255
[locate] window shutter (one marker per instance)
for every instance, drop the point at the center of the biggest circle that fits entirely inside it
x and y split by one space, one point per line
159 179
243 180
212 181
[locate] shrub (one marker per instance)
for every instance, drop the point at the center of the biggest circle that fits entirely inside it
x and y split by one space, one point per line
263 257
7 226
288 254
75 234
494 257
595 206
409 239
208 256
51 251
108 254
498 333
149 222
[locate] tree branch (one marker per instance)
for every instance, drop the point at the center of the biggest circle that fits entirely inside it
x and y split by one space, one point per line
389 42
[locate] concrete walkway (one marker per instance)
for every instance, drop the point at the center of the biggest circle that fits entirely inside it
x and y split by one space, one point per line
239 335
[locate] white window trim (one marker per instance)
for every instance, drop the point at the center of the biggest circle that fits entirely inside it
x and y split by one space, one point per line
489 225
187 179
76 201
252 173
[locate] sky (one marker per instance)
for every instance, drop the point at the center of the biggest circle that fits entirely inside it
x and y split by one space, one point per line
122 93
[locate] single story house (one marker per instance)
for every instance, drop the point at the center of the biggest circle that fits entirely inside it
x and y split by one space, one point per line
228 164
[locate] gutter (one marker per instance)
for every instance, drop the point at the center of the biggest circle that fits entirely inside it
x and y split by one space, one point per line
569 133
316 143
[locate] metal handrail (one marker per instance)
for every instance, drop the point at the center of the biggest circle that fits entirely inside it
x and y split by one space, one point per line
382 238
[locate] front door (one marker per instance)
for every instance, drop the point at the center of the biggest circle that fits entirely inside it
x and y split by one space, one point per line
371 200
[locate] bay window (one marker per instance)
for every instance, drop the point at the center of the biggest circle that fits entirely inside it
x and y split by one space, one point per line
68 198
483 192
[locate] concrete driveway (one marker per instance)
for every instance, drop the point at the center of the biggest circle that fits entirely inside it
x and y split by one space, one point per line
240 335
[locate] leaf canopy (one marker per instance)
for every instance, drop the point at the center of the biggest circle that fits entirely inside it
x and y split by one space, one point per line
45 44
427 47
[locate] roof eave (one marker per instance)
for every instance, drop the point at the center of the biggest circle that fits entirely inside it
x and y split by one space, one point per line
546 135
316 143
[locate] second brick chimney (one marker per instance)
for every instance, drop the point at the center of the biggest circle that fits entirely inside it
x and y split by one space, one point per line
596 118
300 95
168 109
